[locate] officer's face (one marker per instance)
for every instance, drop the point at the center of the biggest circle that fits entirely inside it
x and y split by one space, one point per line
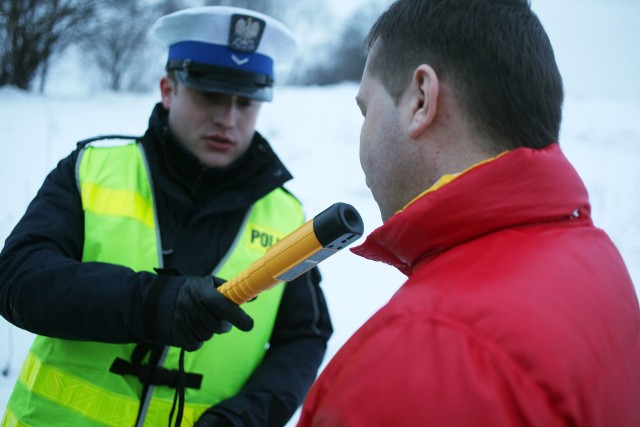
215 127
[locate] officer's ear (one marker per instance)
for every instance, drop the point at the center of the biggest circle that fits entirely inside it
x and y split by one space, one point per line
168 88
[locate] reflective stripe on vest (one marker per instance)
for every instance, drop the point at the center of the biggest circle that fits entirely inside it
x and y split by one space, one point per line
68 382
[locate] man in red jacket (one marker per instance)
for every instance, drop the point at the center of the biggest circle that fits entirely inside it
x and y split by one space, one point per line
517 311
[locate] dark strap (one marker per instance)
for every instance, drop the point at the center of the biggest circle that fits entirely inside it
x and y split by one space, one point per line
179 394
141 351
150 306
155 375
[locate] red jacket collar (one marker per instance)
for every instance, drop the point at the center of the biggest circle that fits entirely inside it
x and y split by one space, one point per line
521 187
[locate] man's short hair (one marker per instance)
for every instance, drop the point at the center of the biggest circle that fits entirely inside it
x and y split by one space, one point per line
494 54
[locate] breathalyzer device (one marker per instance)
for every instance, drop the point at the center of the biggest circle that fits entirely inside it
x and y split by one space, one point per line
327 233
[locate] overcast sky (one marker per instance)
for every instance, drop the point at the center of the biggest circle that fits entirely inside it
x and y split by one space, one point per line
596 45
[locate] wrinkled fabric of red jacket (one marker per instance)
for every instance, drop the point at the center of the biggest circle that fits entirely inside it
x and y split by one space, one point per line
517 311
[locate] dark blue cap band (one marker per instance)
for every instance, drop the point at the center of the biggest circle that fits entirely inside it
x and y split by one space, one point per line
221 56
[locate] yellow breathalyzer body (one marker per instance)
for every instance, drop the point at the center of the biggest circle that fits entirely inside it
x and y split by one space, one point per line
328 232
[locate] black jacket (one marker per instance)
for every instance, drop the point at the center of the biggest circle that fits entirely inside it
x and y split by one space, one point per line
45 289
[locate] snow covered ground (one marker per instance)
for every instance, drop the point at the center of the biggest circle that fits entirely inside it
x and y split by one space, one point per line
316 132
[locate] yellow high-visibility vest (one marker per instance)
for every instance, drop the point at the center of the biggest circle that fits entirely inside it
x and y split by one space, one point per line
65 382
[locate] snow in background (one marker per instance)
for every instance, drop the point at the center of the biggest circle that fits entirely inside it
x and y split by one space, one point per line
316 132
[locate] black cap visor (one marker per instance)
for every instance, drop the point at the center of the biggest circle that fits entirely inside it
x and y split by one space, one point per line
209 78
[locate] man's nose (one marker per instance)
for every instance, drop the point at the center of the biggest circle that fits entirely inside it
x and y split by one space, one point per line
226 114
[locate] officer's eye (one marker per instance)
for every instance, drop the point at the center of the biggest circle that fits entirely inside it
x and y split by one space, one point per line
246 102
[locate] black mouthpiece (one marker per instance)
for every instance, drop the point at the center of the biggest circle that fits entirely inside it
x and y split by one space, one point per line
337 226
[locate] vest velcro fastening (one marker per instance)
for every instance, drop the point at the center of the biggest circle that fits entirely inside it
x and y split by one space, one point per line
154 375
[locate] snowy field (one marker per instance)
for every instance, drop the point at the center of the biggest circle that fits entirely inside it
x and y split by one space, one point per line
316 132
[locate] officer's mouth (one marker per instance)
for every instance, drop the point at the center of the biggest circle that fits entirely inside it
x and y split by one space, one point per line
218 142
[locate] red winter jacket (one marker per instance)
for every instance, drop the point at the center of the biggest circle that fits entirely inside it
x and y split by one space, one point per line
517 311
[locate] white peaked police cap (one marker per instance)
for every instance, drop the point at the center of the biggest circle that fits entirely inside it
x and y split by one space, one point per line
225 49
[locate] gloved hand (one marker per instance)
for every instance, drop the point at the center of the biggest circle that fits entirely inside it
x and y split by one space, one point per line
201 311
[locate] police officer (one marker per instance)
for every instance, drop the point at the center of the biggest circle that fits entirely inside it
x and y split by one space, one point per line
114 264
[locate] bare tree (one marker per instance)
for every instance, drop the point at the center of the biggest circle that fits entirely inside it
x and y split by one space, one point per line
347 54
166 7
117 46
32 31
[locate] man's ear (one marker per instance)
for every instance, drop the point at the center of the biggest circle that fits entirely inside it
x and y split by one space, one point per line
167 89
423 91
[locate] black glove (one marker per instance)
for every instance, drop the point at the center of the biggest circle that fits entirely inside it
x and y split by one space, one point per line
202 311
